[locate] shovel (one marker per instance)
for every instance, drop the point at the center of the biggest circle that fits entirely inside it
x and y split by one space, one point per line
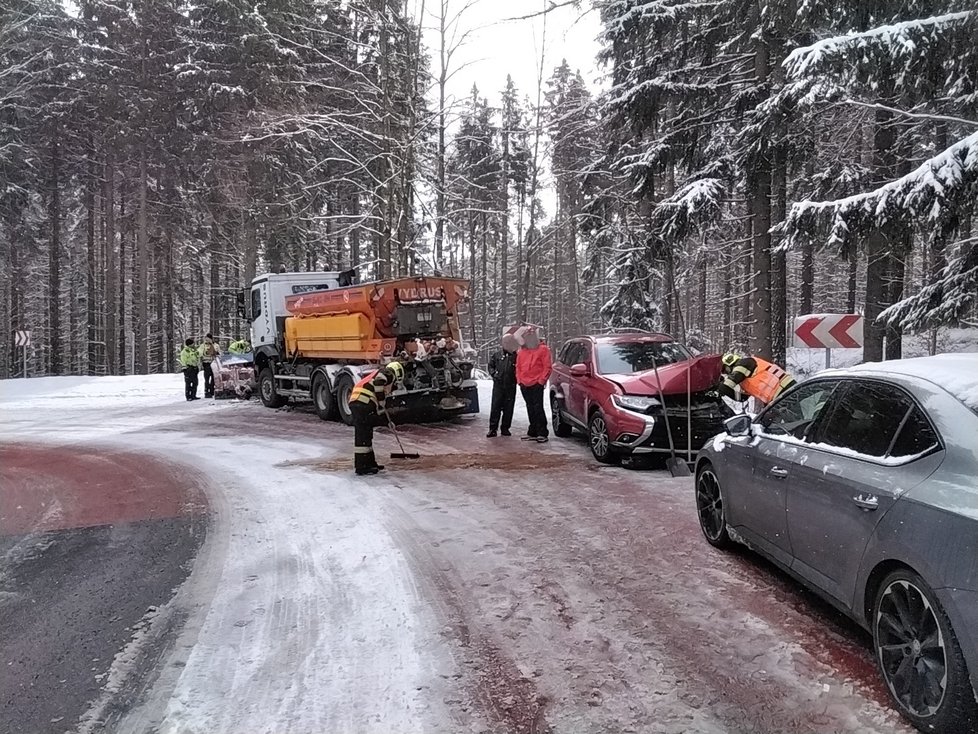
676 466
402 454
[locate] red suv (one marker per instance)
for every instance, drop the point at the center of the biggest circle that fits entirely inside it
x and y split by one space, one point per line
606 387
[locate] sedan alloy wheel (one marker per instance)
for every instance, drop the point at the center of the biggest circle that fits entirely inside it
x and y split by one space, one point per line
709 507
920 657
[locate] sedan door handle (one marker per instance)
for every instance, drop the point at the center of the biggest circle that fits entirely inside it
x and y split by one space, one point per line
777 471
868 503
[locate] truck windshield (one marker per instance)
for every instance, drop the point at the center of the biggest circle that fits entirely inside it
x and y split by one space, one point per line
627 357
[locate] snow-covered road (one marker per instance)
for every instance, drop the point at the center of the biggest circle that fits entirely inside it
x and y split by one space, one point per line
493 587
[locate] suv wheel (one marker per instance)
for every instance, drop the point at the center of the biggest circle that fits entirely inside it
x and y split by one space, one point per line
561 427
709 507
598 438
920 657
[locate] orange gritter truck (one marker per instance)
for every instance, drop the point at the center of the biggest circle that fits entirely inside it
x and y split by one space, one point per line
315 334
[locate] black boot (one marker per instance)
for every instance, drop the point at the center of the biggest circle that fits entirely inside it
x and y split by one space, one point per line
492 433
367 470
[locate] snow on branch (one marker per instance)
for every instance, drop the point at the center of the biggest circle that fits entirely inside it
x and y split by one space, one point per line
943 302
924 195
899 39
698 201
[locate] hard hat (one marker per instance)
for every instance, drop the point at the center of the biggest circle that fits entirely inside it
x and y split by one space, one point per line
729 359
397 370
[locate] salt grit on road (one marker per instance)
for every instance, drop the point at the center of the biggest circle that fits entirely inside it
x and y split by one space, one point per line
536 593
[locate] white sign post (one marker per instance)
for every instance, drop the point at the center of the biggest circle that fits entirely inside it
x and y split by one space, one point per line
829 331
23 339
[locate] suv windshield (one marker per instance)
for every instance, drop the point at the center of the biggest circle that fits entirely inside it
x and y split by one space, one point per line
627 357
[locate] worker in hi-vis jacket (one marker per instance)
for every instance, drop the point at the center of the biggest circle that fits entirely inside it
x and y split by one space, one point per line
367 402
756 378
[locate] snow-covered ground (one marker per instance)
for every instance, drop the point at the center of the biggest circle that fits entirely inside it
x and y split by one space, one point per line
304 615
541 592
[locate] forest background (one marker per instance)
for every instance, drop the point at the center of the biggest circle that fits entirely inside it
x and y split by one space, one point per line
737 163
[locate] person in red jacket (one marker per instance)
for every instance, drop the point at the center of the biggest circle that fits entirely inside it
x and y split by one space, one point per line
533 366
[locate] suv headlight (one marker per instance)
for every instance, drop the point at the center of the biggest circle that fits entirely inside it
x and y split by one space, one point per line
638 403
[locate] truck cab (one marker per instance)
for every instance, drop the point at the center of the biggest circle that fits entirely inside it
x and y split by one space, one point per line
266 300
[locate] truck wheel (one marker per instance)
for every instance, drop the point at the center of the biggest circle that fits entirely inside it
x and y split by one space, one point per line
266 389
323 398
344 386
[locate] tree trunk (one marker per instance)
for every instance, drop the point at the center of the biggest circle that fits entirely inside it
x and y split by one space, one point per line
878 245
91 269
54 259
123 274
111 267
141 271
761 341
852 280
440 192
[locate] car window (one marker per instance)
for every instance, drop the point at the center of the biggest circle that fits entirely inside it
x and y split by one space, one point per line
585 355
865 417
628 357
915 437
573 354
255 303
796 412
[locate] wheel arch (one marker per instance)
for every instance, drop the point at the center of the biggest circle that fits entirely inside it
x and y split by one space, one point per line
264 357
873 581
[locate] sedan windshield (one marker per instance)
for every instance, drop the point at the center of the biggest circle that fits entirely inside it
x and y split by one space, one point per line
627 357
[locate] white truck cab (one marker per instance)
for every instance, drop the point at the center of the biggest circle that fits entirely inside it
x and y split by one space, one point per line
266 303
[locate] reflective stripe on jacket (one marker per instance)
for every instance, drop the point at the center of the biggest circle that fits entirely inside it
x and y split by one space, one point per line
366 392
758 378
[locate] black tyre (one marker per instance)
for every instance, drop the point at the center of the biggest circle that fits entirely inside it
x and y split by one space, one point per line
323 398
344 386
561 428
709 507
266 389
599 440
919 656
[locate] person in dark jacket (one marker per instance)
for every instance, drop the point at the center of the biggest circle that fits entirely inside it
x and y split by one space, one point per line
502 368
209 351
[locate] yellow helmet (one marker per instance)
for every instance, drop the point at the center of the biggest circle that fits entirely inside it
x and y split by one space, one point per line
397 371
729 359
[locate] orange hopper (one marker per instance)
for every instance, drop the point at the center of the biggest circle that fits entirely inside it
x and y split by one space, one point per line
359 322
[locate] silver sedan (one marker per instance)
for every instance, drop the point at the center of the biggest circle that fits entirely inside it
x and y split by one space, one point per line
863 484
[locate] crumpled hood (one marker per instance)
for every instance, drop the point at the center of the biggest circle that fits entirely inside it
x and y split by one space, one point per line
704 373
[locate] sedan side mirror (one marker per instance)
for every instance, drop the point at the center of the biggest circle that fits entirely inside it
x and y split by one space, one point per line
580 370
739 425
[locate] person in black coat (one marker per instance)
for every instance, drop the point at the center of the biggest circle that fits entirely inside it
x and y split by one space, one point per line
502 367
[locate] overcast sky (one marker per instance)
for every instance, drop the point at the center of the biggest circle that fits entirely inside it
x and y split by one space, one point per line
497 47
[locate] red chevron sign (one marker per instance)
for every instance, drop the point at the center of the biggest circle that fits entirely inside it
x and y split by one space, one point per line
829 331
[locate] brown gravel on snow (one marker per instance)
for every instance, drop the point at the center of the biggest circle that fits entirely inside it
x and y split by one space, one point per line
517 461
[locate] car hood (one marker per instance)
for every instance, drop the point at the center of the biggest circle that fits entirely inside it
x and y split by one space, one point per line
704 373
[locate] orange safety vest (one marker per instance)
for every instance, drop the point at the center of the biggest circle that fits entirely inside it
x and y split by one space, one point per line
767 381
363 394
